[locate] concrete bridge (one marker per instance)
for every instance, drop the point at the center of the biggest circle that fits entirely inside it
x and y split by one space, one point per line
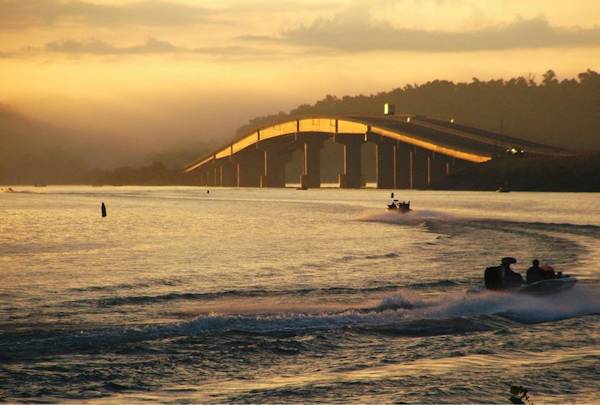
410 151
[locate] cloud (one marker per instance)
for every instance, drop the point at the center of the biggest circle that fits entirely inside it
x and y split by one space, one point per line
280 6
96 47
152 46
19 14
353 31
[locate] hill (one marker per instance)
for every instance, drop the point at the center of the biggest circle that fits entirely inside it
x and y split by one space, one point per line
563 113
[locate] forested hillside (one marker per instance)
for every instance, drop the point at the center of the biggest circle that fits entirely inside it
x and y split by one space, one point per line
564 113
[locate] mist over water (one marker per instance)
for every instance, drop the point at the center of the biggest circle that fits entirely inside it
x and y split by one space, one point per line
249 295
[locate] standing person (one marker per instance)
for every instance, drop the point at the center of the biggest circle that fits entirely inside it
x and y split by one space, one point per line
392 203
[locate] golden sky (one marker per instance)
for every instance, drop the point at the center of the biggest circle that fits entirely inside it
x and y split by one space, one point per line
191 68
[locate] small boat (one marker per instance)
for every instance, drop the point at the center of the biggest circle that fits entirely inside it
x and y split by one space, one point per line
400 206
550 286
503 190
302 188
539 288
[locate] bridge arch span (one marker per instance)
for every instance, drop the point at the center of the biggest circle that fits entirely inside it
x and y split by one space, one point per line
417 136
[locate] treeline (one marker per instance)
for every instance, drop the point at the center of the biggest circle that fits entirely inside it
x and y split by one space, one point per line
569 173
564 113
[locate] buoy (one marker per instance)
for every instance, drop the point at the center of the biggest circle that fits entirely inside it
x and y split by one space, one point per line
207 191
392 196
103 209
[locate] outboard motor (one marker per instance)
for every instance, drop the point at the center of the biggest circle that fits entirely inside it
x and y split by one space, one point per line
493 278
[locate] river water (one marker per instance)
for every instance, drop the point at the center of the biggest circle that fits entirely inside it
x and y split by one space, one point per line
282 295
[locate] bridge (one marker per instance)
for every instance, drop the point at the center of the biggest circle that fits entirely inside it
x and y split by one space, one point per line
410 151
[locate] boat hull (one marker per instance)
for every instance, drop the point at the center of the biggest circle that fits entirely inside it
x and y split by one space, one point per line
551 286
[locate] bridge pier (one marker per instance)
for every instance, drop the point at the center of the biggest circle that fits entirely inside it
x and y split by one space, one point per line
210 174
385 162
201 178
311 173
273 174
216 175
248 168
420 168
351 176
403 165
437 168
226 173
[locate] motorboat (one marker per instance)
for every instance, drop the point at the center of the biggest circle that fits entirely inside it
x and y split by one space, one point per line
550 282
399 206
539 288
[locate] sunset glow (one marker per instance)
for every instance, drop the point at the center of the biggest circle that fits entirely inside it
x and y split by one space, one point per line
201 69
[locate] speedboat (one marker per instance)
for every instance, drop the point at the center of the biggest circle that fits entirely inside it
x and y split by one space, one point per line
539 288
399 206
550 286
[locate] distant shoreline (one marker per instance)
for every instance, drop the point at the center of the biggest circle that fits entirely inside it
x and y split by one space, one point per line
540 174
579 173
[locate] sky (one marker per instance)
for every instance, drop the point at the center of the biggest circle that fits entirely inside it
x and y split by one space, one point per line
160 73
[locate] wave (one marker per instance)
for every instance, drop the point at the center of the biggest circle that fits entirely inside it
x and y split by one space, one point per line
412 218
429 217
403 314
390 255
254 293
579 229
272 325
128 286
11 190
150 299
580 300
435 284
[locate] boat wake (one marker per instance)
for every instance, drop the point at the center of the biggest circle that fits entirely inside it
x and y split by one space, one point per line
404 313
413 218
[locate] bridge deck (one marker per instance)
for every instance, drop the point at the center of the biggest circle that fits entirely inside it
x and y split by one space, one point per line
452 139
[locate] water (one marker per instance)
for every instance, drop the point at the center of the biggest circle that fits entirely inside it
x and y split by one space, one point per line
246 295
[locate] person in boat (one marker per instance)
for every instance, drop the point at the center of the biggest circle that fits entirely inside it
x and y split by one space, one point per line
535 273
392 203
539 273
503 277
